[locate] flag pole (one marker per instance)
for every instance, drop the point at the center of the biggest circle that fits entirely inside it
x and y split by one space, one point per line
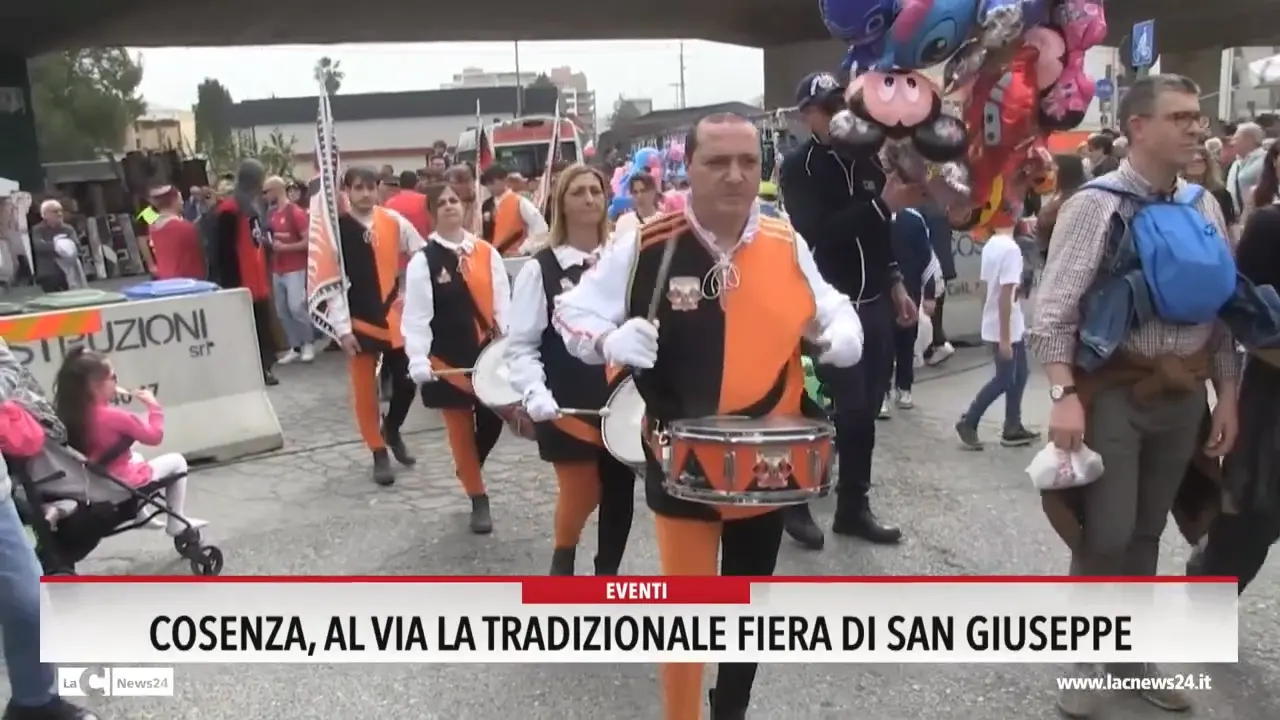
477 219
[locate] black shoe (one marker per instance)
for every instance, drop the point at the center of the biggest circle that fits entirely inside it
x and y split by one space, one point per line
723 713
55 709
862 523
562 561
396 445
968 435
797 520
481 521
382 472
1018 437
270 379
607 566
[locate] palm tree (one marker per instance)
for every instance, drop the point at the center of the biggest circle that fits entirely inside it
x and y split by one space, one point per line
277 153
329 72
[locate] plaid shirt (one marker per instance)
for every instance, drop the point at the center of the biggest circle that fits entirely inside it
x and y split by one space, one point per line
1076 251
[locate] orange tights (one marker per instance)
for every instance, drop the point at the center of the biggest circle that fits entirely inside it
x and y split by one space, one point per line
577 496
362 371
691 547
472 435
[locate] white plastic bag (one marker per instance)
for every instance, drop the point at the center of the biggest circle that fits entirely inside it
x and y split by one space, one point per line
1054 469
65 247
924 337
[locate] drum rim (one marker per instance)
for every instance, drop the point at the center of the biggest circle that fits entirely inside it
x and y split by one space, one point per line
609 420
807 430
492 348
756 498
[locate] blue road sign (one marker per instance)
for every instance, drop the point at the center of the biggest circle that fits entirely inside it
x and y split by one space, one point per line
1104 89
1144 44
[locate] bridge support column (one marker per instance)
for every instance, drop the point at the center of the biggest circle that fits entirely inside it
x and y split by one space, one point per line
1202 66
19 156
785 65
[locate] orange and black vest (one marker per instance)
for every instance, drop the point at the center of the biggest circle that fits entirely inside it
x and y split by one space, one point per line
462 322
371 258
738 354
573 383
509 230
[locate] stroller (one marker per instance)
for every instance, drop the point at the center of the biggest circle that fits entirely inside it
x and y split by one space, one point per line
72 504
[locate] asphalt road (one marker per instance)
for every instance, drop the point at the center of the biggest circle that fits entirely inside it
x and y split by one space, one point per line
312 510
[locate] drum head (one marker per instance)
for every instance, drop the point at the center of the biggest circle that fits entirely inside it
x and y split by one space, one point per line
492 379
623 428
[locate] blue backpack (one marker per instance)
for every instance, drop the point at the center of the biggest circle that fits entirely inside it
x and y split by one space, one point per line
1185 261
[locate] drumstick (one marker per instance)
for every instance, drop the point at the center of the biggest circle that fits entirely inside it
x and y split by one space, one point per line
453 371
664 269
602 412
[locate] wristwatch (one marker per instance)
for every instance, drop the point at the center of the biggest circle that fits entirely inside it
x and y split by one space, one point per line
1057 392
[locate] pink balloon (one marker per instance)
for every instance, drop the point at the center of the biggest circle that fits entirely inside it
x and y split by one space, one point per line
619 175
673 200
675 153
589 152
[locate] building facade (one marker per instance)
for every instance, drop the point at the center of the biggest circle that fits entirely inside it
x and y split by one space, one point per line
576 96
377 129
162 129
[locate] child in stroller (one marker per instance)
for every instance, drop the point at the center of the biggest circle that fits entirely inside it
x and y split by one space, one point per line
96 486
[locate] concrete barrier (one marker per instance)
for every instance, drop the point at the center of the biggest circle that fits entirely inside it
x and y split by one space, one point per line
198 354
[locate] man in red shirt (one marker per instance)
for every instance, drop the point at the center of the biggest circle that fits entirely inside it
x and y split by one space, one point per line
175 242
412 205
289 227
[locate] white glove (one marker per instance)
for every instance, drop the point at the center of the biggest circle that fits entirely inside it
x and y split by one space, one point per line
634 345
541 406
843 343
421 372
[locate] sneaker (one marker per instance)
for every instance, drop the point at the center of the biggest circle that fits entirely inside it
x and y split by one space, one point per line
308 353
1079 703
940 354
904 400
288 357
1018 437
885 409
968 435
1164 695
55 709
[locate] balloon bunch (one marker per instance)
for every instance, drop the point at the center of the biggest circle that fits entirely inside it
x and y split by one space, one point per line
663 165
1018 65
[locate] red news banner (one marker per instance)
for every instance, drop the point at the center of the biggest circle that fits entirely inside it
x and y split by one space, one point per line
638 620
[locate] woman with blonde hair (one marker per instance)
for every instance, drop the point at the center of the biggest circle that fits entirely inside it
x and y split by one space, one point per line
549 378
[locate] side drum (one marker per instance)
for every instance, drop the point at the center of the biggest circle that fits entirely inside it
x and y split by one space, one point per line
764 462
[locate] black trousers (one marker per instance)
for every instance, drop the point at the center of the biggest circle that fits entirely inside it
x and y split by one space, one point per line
857 393
1238 547
395 367
748 547
263 314
939 333
614 516
488 430
53 284
904 356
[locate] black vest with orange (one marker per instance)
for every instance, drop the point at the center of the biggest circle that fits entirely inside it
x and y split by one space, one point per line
737 354
573 383
462 319
371 259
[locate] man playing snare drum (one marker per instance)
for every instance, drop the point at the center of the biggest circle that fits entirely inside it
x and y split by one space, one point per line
735 295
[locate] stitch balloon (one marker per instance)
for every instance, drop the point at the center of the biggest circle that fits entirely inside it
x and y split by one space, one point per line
927 32
620 205
861 24
646 157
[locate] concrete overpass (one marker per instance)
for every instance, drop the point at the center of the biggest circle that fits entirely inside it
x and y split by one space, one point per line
1190 36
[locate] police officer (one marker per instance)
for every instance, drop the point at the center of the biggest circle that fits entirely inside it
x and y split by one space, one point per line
843 206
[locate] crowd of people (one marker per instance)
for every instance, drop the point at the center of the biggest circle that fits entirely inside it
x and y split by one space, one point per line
709 308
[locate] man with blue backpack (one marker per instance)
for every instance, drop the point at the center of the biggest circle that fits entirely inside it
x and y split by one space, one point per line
1127 330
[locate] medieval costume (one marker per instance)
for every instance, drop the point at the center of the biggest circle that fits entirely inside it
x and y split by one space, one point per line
239 258
727 345
456 299
510 219
544 372
368 308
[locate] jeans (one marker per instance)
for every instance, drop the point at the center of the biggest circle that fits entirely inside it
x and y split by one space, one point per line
290 290
904 356
30 681
857 393
1010 380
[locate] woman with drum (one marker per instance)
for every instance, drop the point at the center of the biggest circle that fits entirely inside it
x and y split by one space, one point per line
456 299
710 305
562 394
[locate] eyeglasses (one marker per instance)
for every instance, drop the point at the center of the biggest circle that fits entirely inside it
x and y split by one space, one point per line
1185 120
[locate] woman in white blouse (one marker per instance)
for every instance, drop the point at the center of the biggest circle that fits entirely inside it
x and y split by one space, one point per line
549 378
644 193
456 298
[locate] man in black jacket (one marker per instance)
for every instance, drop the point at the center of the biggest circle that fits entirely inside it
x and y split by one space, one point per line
843 207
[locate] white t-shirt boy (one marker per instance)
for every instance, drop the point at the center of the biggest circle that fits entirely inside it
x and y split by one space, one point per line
1001 265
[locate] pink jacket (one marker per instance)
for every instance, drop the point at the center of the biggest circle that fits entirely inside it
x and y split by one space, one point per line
109 426
21 435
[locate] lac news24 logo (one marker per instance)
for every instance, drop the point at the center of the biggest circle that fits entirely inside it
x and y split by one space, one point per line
118 682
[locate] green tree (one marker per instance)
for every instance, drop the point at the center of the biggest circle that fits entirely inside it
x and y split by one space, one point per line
542 81
277 154
84 102
624 112
329 72
214 137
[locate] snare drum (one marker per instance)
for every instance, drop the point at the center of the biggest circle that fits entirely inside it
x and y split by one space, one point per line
491 380
763 462
622 428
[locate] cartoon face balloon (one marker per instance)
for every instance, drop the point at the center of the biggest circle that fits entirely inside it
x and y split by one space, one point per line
897 105
1083 23
860 23
927 32
1051 54
1063 105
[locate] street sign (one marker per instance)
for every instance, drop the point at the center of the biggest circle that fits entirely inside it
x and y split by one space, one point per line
1104 89
1144 44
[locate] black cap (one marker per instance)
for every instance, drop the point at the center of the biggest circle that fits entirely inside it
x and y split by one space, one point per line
817 87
